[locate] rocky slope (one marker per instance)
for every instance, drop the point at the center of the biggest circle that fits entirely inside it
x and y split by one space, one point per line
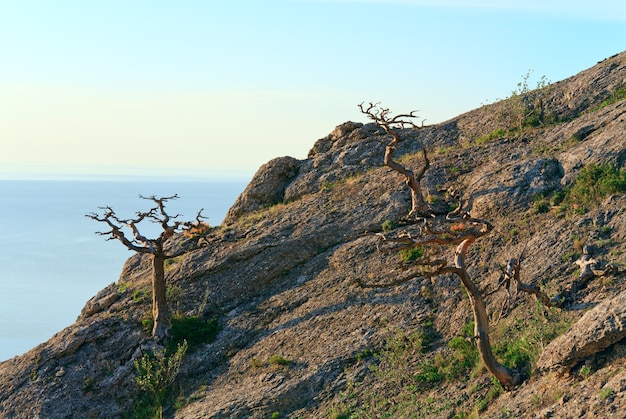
300 338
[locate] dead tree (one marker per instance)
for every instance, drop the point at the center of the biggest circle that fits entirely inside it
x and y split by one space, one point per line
382 117
462 231
127 232
514 285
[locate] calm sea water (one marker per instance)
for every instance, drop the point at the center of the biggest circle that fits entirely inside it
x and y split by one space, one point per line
51 260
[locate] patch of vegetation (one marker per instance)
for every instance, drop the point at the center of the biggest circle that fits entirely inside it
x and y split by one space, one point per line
171 262
570 257
525 108
156 374
193 330
405 158
444 150
364 354
198 230
278 360
433 199
519 343
453 170
138 296
606 393
618 95
387 226
585 371
465 354
494 135
593 183
88 384
408 373
591 186
147 323
541 205
411 254
605 231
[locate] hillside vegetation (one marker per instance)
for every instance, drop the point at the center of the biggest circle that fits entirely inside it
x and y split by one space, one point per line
271 319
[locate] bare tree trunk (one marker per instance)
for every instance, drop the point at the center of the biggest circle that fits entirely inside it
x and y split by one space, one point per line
418 205
505 376
135 241
160 312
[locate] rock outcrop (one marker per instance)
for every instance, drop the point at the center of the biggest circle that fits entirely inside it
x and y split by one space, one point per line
599 328
266 188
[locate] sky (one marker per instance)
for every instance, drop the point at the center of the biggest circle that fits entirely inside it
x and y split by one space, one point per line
217 88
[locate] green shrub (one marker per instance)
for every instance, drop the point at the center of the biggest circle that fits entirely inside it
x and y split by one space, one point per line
387 226
595 182
405 373
591 186
605 231
517 354
606 393
495 390
138 296
411 254
541 206
193 330
156 375
466 356
468 329
522 342
585 371
147 323
278 360
429 373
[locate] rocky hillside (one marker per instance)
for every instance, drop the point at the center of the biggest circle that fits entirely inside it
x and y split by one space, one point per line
278 327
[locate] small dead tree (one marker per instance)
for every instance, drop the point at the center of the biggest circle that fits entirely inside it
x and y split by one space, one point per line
127 232
513 285
382 117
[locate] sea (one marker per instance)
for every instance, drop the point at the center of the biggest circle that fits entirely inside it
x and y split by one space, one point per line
51 259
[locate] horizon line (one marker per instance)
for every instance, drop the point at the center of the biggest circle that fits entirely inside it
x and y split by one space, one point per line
602 10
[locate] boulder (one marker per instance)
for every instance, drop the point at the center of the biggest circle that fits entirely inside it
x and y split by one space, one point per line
596 330
266 188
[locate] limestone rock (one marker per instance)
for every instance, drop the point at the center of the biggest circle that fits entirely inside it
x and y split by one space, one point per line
520 180
267 187
101 301
598 329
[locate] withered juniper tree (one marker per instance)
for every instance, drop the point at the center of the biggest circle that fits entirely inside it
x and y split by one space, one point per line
127 232
382 117
428 230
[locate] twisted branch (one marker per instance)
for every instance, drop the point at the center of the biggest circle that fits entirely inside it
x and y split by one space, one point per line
382 117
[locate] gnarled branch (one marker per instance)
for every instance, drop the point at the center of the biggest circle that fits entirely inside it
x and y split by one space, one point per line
382 117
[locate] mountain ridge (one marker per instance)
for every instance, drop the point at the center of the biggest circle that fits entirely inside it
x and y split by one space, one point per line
280 276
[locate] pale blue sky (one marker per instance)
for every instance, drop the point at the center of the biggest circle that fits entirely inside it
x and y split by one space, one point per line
220 87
